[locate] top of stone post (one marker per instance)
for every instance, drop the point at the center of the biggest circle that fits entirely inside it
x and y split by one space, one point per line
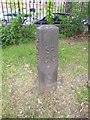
47 27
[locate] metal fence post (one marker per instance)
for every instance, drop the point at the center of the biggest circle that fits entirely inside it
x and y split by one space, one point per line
47 55
18 6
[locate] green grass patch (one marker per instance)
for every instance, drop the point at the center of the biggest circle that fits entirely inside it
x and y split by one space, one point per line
26 54
20 54
82 94
72 57
14 58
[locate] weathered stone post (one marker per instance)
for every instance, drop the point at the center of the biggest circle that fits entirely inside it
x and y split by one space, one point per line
47 55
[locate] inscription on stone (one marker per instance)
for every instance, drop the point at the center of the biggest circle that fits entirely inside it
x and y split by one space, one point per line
47 55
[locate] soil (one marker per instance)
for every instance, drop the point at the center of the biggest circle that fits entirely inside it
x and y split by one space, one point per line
26 100
58 102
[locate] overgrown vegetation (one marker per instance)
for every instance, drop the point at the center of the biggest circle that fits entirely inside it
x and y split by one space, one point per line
17 33
49 11
72 24
69 26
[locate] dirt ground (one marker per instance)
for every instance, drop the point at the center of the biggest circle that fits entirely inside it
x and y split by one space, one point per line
61 102
27 101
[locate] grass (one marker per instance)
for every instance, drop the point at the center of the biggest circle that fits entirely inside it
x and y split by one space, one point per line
82 94
14 57
73 55
19 55
26 54
72 58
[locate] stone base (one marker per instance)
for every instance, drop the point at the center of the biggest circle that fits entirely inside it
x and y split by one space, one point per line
49 88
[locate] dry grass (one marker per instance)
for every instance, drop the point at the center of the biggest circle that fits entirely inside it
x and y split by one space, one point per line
21 95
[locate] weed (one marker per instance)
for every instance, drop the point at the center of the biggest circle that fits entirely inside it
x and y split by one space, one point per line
49 11
72 24
17 33
82 94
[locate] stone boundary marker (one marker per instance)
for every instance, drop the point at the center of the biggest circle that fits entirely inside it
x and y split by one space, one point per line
47 55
